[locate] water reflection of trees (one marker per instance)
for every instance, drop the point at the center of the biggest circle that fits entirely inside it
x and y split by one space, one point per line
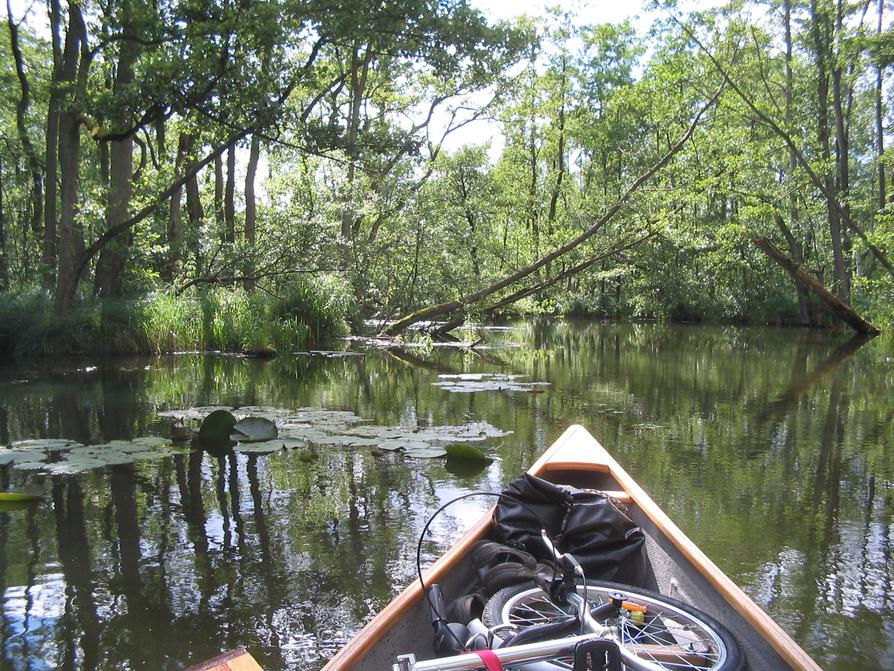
146 589
774 446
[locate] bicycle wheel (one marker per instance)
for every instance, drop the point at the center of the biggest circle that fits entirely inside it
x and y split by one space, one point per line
669 633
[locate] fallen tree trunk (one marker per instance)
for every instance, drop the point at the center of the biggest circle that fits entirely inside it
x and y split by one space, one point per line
838 307
398 326
542 286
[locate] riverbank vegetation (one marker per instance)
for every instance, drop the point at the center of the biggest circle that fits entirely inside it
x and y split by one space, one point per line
174 174
229 320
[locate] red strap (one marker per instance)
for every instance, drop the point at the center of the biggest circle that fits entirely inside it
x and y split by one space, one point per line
491 661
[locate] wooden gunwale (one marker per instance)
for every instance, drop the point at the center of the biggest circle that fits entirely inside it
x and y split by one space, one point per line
577 450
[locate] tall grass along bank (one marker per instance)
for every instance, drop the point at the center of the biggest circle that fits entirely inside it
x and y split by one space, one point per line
231 320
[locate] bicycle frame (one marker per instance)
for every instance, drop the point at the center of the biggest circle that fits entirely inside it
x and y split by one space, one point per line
530 653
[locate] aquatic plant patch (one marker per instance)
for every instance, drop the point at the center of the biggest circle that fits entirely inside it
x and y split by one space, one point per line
58 456
306 427
475 382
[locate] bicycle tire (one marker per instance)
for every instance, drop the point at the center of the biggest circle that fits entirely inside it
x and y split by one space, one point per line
672 625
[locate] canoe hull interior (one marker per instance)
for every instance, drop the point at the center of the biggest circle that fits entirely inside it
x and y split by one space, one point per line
675 567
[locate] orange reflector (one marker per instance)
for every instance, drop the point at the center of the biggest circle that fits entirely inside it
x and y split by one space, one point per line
629 605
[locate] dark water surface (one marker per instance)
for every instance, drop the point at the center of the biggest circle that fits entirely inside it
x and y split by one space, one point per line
772 449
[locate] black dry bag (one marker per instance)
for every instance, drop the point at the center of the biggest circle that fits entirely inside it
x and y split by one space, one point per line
586 523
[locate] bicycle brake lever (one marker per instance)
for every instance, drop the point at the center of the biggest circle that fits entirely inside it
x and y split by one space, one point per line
561 557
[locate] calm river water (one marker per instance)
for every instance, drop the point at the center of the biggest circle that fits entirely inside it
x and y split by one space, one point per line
772 449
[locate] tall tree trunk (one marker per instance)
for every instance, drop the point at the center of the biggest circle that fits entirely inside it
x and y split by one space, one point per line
52 147
879 119
352 253
71 231
821 43
560 154
794 245
196 215
4 255
104 176
218 194
533 200
175 214
465 193
109 280
24 102
251 211
161 139
359 74
230 197
842 150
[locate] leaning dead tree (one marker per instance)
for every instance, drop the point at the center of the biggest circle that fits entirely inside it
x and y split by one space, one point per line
433 311
457 320
838 307
524 292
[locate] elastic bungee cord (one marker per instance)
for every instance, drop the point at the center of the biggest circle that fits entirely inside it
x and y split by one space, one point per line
462 644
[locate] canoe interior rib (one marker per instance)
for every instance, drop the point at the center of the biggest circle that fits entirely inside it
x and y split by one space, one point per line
677 568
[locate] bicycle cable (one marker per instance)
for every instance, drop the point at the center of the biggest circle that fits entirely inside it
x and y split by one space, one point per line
440 510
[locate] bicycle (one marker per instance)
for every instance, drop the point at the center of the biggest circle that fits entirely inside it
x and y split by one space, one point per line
564 621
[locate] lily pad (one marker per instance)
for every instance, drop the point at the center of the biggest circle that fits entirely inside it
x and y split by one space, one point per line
480 377
46 444
333 440
19 456
150 454
424 451
474 382
307 435
150 441
253 430
391 445
361 442
254 409
124 447
199 412
29 466
114 458
79 458
75 465
263 447
217 425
